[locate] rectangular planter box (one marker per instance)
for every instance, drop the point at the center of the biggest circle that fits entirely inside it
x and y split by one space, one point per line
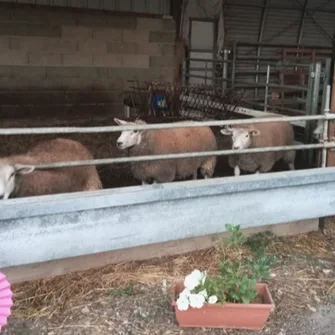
237 316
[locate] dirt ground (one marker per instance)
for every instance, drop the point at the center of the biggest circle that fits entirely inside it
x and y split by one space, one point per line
129 299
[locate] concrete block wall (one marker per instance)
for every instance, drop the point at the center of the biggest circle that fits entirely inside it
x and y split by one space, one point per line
57 49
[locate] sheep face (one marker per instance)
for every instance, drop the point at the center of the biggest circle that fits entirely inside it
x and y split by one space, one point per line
241 137
128 139
7 178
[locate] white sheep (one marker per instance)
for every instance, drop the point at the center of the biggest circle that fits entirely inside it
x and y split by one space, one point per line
168 141
256 136
18 177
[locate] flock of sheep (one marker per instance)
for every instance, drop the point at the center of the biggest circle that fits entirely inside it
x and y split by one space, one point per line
18 177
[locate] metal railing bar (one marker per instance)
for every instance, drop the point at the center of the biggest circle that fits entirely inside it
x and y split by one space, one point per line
184 124
106 161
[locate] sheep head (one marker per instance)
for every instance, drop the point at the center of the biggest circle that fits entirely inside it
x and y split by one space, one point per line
241 137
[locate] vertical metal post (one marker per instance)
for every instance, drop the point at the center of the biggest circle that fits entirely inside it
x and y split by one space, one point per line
325 127
260 38
308 107
326 76
226 52
267 88
315 103
233 70
184 73
206 72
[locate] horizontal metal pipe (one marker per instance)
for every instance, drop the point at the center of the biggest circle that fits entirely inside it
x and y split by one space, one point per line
269 45
186 124
106 161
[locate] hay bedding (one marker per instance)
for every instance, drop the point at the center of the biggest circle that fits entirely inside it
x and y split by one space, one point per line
130 299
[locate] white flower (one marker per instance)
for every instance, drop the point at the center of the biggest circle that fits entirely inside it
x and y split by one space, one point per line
194 279
185 294
196 300
204 293
191 282
212 299
197 274
182 303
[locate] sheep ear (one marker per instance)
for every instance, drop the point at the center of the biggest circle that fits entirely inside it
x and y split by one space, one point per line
120 122
254 132
24 169
226 130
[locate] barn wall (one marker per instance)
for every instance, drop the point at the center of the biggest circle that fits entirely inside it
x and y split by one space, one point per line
44 48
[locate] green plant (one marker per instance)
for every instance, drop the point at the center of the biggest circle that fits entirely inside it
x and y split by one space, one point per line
241 276
237 280
123 291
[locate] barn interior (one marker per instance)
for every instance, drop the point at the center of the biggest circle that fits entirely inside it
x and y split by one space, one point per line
73 63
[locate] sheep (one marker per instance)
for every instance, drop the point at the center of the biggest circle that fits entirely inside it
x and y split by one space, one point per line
318 131
18 178
168 141
260 135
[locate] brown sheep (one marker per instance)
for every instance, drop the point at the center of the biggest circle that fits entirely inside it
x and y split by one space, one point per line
259 135
168 141
22 181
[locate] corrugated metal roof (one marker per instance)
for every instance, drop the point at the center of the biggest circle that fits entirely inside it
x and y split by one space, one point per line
312 33
281 26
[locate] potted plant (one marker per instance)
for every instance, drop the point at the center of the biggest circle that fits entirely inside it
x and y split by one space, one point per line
233 299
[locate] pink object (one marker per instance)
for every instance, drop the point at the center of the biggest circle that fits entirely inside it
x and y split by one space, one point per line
6 301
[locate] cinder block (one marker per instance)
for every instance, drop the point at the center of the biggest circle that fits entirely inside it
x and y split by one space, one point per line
121 48
125 74
44 59
13 84
155 24
110 60
61 17
76 84
145 23
4 43
121 21
77 59
168 50
92 47
29 15
4 13
90 72
169 24
45 84
44 30
62 72
107 34
107 84
135 36
27 72
152 49
135 61
27 43
162 61
77 32
162 37
13 29
13 57
60 45
6 71
91 19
